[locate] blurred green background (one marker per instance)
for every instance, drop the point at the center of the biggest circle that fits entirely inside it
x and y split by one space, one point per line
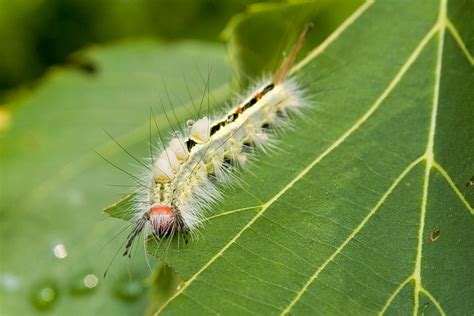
36 34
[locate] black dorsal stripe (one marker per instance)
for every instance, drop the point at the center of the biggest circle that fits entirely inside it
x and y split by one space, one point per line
232 117
190 144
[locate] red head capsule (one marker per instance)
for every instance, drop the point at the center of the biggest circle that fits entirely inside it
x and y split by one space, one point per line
157 209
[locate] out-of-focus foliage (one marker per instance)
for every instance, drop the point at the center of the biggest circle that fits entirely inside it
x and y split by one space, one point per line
37 33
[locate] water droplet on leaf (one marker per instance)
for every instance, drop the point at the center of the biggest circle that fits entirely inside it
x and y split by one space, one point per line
60 251
83 283
44 295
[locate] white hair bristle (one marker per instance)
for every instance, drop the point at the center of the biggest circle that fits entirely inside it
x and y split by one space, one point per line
183 181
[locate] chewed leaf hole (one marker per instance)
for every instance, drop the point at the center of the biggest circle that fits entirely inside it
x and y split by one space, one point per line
434 235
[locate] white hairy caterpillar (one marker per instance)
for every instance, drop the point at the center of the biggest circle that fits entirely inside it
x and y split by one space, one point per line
181 185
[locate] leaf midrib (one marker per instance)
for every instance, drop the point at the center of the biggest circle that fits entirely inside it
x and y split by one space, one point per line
443 23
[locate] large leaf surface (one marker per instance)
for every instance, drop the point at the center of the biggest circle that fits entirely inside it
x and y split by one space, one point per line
365 209
53 184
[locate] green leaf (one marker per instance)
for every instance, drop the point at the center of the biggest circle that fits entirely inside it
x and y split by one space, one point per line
365 209
54 185
259 37
121 209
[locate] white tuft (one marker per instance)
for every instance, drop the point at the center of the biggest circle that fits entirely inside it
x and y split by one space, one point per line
170 156
201 130
178 146
162 171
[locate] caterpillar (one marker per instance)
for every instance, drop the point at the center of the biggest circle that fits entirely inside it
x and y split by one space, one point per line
182 183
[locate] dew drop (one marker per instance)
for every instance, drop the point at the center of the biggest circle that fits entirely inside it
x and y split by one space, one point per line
129 290
83 284
189 123
44 295
60 251
91 281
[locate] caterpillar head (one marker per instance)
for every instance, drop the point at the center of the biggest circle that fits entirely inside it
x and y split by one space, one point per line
163 219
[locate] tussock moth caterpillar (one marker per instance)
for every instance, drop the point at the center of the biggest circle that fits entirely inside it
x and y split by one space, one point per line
173 195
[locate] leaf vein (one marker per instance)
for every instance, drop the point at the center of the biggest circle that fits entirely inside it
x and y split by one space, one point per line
256 277
236 294
394 294
454 32
271 261
326 218
200 304
354 232
292 232
432 299
287 249
331 38
238 210
348 297
453 186
429 152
